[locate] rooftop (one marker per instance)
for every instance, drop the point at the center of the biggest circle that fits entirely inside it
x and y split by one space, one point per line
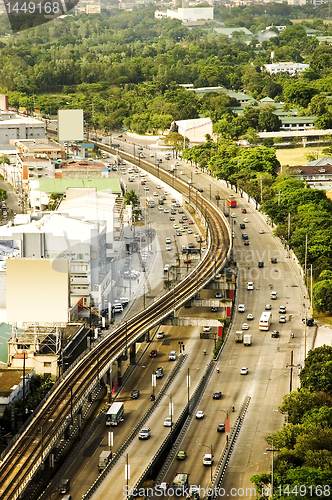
111 184
9 379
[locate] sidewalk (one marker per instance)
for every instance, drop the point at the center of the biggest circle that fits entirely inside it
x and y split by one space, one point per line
323 335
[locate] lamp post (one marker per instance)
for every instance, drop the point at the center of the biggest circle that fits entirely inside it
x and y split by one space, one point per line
170 409
226 423
210 448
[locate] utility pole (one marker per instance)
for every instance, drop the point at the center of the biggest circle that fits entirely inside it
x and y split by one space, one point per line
272 478
291 366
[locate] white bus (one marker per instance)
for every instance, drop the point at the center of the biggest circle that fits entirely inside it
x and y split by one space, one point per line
265 321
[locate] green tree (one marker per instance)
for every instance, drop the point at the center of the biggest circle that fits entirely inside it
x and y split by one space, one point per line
322 295
176 141
268 120
317 372
131 198
297 403
299 93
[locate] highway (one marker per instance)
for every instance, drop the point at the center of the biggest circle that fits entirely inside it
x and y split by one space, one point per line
41 435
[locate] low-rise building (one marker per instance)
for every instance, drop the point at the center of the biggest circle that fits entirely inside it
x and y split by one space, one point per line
317 174
286 67
194 130
13 127
12 385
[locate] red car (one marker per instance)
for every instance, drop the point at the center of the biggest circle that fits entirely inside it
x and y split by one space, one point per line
187 261
244 210
190 222
153 353
246 242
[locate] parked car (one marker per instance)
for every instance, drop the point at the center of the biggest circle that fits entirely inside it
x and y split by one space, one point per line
206 328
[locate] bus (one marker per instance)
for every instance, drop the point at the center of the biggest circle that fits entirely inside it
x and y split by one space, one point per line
265 321
114 414
150 202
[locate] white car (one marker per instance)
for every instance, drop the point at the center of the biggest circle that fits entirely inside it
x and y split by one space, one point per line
160 335
268 307
175 226
166 211
245 326
233 215
146 188
246 219
182 172
168 422
160 209
282 319
250 317
168 249
244 371
168 241
208 459
152 155
260 231
250 285
158 186
200 414
206 328
155 193
190 231
241 308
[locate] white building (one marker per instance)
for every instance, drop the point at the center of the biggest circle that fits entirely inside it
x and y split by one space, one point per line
286 67
13 127
187 14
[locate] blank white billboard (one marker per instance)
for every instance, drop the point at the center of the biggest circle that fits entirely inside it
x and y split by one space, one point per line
70 125
37 290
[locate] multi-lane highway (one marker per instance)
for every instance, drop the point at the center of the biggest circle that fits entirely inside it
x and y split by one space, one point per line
29 451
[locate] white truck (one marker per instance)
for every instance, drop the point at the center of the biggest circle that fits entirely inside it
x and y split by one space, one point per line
104 458
239 336
247 339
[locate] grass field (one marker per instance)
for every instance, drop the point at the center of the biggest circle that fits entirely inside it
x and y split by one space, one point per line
296 156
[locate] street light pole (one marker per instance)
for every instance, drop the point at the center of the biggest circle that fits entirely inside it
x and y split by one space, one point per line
210 448
171 410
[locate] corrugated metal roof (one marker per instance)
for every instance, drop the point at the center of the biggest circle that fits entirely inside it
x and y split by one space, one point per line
327 160
5 334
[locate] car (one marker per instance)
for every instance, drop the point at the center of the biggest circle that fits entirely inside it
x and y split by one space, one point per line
282 319
182 455
168 422
241 308
177 204
182 172
260 231
275 334
208 459
274 260
190 222
166 211
159 160
221 428
191 245
260 264
190 231
168 241
250 285
206 328
199 239
146 188
153 353
226 214
152 155
166 268
155 193
168 248
200 414
184 217
214 309
216 395
268 307
173 212
233 215
282 309
160 209
185 226
182 229
200 190
196 235
244 210
242 226
172 355
180 211
159 372
246 219
178 232
144 433
246 243
245 326
158 186
244 371
160 335
172 219
175 226
218 295
245 236
134 394
187 261
250 317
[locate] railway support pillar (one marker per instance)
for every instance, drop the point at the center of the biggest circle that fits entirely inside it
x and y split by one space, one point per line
120 374
133 354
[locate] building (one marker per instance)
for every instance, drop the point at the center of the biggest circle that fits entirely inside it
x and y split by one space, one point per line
187 14
231 30
194 130
48 350
13 386
286 67
317 173
82 169
13 127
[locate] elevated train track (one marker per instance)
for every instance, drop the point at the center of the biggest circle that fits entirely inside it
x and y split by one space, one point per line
40 437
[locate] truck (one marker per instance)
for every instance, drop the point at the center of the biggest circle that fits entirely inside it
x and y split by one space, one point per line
239 336
231 202
115 414
247 339
180 482
104 458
